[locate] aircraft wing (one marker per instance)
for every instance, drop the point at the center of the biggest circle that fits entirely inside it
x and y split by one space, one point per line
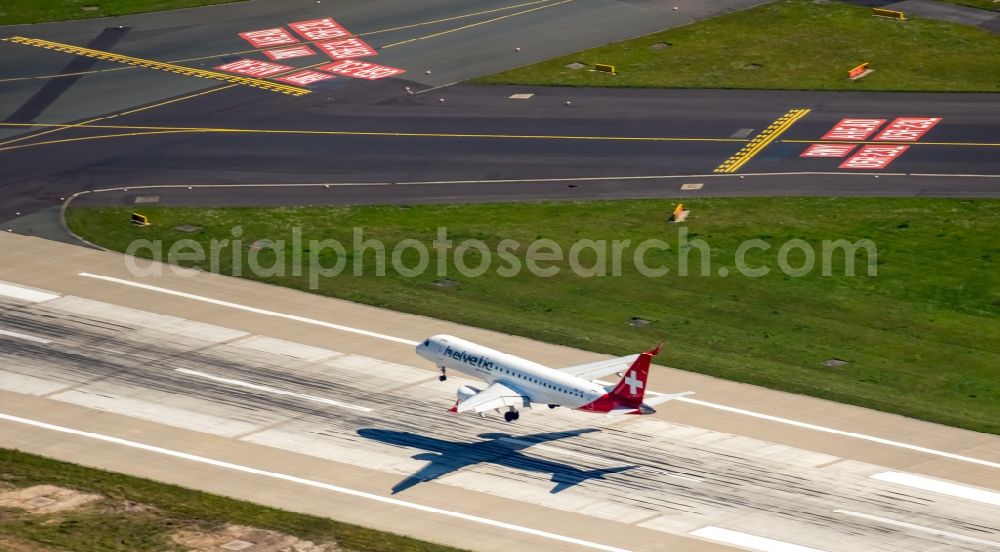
496 396
601 368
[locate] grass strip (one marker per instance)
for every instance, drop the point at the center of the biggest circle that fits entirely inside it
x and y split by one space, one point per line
16 12
788 44
921 338
140 514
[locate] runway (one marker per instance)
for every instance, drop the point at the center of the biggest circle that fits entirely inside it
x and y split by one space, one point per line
320 405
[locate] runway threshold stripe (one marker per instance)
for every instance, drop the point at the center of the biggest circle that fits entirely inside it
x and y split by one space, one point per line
158 65
272 390
25 294
915 527
746 540
761 141
25 337
376 335
937 486
310 483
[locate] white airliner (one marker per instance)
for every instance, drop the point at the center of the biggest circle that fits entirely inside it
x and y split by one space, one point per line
518 383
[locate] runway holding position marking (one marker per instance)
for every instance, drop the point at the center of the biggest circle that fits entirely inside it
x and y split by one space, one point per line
157 65
761 141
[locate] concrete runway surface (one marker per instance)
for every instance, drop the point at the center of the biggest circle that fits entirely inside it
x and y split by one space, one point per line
321 406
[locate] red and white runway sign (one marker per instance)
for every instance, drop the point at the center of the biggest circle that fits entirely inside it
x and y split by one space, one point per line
266 38
853 129
828 150
319 29
873 157
254 68
290 52
361 69
305 78
907 129
346 48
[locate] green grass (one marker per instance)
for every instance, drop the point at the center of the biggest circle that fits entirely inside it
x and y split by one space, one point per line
789 44
106 526
15 12
922 337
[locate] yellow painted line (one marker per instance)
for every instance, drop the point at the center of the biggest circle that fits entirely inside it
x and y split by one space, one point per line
139 109
129 60
761 141
213 56
462 28
89 138
386 134
106 117
880 143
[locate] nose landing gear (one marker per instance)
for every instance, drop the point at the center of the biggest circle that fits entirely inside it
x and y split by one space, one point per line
443 376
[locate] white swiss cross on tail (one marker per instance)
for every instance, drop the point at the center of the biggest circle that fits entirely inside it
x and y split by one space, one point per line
633 384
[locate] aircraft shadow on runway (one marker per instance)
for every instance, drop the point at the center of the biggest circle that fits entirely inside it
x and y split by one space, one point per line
501 449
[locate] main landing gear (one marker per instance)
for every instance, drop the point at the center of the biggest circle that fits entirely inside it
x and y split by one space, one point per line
443 376
511 415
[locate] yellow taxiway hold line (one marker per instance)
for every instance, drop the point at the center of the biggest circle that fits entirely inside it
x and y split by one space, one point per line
761 141
129 60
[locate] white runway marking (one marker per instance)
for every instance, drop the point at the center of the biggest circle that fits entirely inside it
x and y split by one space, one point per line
731 409
823 429
920 528
249 309
746 540
25 337
938 486
25 294
271 390
310 483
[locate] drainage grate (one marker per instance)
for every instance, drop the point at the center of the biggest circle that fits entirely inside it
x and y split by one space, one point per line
834 363
187 228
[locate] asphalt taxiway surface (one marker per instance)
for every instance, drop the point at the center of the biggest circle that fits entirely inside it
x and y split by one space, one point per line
114 125
321 406
478 144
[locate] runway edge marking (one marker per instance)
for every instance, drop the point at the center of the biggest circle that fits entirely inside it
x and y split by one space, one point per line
368 333
309 482
158 65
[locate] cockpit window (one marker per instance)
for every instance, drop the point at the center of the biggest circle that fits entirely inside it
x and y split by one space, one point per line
427 343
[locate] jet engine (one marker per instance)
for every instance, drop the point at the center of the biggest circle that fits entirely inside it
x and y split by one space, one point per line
466 391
